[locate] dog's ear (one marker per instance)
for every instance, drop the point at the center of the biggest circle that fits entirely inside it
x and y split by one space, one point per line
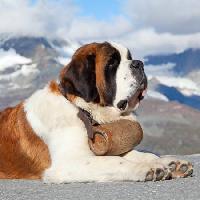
78 78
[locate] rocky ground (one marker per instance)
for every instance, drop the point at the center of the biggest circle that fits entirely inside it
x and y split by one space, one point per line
169 127
180 189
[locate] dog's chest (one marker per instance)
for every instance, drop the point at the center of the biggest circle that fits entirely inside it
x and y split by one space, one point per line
56 121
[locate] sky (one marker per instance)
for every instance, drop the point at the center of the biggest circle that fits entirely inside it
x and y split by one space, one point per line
144 26
94 8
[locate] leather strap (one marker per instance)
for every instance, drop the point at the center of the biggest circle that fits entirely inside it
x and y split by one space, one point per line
85 116
86 120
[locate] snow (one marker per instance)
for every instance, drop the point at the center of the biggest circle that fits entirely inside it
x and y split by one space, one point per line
185 85
156 95
164 75
10 58
21 78
63 60
20 75
69 50
160 70
66 51
179 82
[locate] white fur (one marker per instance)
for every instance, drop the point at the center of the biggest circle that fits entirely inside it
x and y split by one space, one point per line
99 113
55 120
125 82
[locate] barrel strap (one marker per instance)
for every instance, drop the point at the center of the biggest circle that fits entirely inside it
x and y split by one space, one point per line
84 115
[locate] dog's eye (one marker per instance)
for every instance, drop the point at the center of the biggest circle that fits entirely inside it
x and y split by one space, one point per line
112 63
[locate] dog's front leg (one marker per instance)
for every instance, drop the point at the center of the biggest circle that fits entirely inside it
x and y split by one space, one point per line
162 167
98 169
73 161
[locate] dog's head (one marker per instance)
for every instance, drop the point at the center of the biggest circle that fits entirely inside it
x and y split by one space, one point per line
106 74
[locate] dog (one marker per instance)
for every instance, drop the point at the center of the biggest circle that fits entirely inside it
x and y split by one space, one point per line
43 137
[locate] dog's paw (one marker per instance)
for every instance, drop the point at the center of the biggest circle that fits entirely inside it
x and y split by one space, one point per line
52 175
158 173
178 168
152 172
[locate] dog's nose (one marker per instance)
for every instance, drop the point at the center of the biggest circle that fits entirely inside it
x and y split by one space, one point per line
137 64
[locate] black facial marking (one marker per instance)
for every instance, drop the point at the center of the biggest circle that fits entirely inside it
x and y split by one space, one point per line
137 70
110 76
129 57
80 79
114 60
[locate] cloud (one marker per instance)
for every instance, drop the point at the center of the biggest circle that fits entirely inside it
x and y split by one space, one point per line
88 28
11 58
174 16
148 41
56 18
146 27
41 18
144 42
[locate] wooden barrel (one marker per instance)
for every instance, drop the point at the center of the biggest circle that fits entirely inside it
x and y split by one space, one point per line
115 138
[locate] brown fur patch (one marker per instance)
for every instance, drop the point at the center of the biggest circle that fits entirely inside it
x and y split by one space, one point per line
71 97
105 50
22 153
102 52
54 87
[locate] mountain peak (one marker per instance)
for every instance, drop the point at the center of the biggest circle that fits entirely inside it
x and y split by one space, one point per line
185 62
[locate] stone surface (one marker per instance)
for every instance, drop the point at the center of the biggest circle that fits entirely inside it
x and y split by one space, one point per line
181 189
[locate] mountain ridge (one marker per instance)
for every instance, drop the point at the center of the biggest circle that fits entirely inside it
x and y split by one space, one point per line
36 61
185 62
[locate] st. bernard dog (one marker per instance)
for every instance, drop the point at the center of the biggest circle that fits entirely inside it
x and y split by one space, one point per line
44 138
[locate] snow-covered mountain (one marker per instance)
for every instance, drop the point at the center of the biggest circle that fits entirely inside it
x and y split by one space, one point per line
175 77
184 62
28 63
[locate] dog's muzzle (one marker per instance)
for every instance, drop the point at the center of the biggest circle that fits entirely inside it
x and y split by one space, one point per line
137 69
